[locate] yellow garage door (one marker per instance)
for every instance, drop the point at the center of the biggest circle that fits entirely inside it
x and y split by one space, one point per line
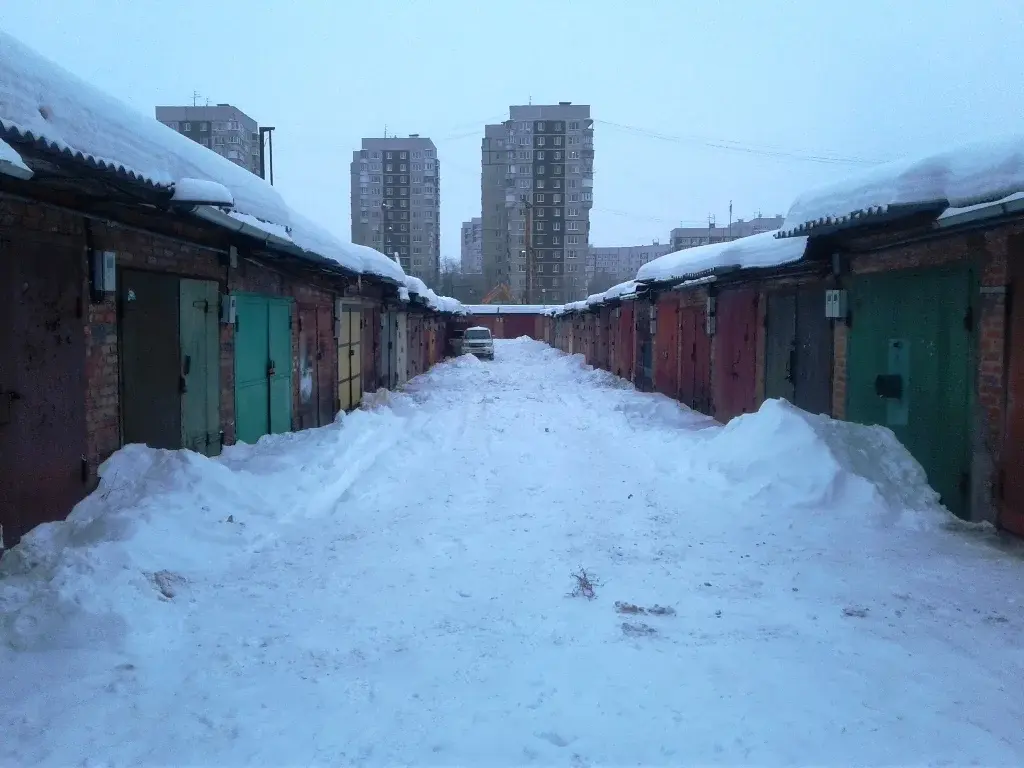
350 389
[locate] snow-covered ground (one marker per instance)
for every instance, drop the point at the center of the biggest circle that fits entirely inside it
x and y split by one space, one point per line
393 589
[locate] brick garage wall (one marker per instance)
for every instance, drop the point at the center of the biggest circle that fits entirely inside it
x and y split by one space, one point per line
987 249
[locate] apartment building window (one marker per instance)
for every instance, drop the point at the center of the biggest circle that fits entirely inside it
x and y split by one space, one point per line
541 183
540 126
575 170
559 127
574 125
540 212
572 183
574 140
524 140
558 141
538 226
540 170
539 155
558 155
574 155
556 198
522 267
511 169
405 227
417 153
417 249
218 139
416 190
403 203
429 153
205 141
540 141
558 213
389 179
574 198
524 183
572 226
522 240
204 127
389 156
571 253
573 212
522 226
540 268
186 126
375 191
375 155
556 239
524 169
572 240
557 170
389 191
403 180
403 155
523 154
402 167
388 167
556 226
571 267
538 198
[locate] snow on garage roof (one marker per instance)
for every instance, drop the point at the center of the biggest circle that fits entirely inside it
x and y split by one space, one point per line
44 103
982 172
761 250
11 163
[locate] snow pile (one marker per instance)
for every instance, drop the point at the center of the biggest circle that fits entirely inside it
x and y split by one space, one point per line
13 162
111 572
42 101
761 250
621 290
820 463
417 287
202 192
982 172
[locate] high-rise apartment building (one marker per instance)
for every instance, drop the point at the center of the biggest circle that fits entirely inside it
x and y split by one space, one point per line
225 129
690 237
548 181
472 247
396 202
495 251
612 265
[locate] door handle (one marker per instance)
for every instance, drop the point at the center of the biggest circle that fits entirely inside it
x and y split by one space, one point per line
271 369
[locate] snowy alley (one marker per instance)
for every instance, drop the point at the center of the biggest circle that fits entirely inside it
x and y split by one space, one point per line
397 589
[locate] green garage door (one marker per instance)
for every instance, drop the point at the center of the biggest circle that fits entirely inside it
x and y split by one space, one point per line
909 366
263 351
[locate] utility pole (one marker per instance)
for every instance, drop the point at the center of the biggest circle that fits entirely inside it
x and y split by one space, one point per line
528 211
730 219
195 98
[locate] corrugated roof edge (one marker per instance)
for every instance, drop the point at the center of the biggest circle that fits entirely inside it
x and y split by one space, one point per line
879 214
14 132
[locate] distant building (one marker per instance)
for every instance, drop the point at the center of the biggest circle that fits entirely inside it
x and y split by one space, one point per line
225 129
540 166
472 247
495 245
396 202
690 237
619 263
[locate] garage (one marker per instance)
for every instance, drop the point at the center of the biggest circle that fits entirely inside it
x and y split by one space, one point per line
909 368
263 366
798 349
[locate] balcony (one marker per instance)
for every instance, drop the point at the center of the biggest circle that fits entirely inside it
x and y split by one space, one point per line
588 183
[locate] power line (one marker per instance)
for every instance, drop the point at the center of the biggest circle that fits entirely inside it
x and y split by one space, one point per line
737 146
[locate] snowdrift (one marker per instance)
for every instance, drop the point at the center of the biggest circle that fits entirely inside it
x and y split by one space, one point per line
119 566
791 457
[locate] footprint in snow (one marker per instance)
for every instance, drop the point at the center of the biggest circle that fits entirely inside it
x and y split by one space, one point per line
554 738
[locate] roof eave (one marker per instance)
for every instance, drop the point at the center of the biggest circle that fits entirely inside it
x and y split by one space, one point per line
864 218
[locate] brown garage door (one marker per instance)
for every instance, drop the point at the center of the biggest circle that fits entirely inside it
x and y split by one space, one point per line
42 385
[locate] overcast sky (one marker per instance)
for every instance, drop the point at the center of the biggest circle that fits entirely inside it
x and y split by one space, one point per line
696 104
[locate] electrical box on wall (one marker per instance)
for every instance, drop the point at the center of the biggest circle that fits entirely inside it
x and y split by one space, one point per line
228 309
103 273
836 304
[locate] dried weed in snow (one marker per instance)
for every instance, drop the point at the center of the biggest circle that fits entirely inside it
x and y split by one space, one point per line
585 584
